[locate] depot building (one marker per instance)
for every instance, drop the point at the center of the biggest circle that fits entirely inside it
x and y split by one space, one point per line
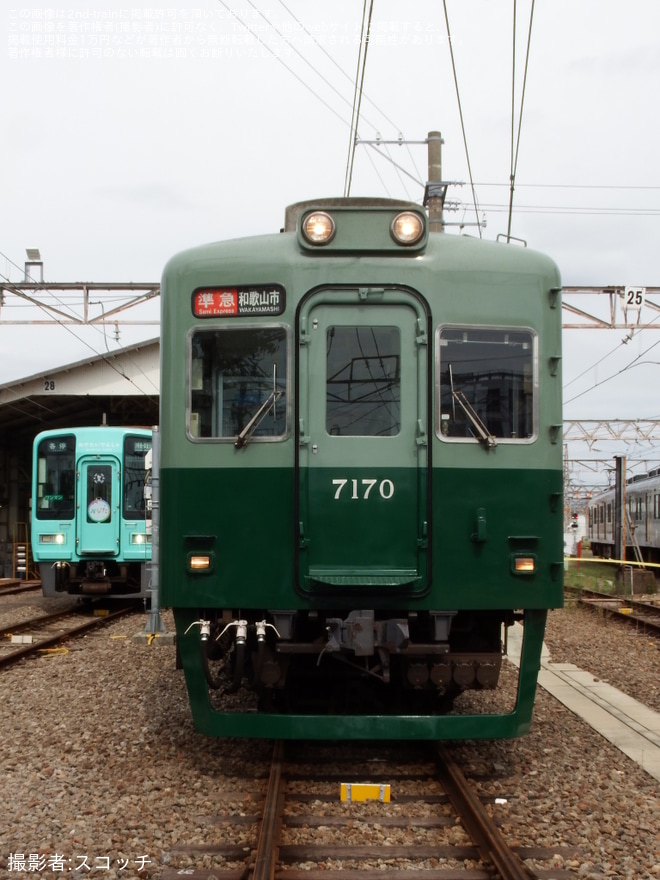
119 389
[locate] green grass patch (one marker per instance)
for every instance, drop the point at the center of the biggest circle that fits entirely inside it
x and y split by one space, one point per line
592 575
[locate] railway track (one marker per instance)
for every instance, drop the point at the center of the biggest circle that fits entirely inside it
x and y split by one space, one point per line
304 826
13 586
28 637
644 614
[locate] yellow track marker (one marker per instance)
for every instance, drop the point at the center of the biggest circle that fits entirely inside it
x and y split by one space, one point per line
365 791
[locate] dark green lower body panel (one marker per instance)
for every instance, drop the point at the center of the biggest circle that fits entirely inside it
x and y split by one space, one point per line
480 520
360 727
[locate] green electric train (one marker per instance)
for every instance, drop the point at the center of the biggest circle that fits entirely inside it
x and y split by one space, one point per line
360 476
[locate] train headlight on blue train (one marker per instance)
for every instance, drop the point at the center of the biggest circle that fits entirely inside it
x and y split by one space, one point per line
59 538
318 227
140 538
407 227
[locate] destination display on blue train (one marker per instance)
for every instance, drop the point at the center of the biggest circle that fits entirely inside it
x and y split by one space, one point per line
58 446
228 302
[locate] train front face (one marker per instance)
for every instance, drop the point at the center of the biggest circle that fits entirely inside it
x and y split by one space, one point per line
89 518
361 481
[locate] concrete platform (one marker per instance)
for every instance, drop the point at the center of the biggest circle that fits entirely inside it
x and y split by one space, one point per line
629 725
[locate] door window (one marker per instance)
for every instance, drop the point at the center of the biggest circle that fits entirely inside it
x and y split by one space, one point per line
363 385
99 493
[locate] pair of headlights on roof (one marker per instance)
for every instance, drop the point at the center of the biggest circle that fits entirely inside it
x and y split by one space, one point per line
319 228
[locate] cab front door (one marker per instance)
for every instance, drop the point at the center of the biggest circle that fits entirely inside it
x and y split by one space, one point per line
99 508
362 444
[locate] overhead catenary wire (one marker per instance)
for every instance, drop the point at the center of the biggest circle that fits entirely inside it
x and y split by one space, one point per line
497 208
281 61
378 174
361 97
357 93
107 357
460 113
391 160
516 151
571 185
636 362
309 64
341 70
364 97
612 351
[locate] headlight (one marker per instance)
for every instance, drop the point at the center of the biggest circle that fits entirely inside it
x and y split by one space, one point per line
318 227
407 227
140 538
52 539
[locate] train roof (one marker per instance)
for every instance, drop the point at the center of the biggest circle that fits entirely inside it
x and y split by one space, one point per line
639 482
111 431
462 253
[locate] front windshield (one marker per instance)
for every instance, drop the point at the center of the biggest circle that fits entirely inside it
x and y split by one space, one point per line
233 373
489 372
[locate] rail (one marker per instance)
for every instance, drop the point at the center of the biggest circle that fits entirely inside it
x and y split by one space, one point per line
329 835
48 641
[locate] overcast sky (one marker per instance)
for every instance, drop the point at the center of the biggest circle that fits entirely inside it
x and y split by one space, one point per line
132 132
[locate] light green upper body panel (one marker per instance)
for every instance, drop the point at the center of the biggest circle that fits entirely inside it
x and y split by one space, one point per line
497 285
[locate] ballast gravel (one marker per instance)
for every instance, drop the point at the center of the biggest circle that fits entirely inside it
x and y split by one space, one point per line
102 774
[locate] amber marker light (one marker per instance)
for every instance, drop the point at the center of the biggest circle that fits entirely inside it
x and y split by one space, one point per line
407 227
318 227
524 564
199 563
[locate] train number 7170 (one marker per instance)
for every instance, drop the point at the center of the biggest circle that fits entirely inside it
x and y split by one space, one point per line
361 489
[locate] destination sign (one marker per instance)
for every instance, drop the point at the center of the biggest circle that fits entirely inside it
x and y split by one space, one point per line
237 302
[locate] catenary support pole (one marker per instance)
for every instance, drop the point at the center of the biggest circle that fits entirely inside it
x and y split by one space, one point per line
155 623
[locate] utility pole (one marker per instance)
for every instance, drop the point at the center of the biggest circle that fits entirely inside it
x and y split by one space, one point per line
436 189
620 508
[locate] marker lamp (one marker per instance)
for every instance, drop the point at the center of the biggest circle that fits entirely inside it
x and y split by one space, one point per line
318 227
407 228
524 564
199 563
52 539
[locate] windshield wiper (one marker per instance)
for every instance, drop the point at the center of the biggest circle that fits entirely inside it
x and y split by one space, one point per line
489 440
244 437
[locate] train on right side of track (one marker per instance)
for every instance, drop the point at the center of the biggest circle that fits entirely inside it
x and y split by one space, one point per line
361 477
642 507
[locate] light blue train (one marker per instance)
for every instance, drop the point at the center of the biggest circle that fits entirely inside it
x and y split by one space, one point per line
90 511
